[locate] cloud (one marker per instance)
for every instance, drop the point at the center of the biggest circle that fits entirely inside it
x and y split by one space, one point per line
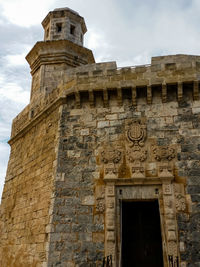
15 60
28 12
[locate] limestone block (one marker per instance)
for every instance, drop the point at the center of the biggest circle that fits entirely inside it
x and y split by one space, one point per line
103 124
88 200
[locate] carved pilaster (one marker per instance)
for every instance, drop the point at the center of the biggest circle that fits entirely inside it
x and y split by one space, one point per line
100 198
110 238
170 218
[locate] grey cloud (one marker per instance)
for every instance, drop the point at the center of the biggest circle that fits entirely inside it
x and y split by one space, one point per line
141 29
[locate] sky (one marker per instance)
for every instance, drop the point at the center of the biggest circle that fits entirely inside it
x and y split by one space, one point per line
129 32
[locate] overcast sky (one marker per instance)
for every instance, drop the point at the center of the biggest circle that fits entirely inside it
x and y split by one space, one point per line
127 31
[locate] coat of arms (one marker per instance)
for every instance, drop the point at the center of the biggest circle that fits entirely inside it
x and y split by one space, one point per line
136 133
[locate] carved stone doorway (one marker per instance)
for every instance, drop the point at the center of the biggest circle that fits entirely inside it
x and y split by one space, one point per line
141 234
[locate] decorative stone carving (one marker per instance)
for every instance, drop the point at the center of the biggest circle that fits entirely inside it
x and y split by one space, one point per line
110 236
172 248
100 205
100 199
167 189
171 235
136 154
165 171
136 133
110 190
138 172
168 201
180 202
111 156
163 153
111 171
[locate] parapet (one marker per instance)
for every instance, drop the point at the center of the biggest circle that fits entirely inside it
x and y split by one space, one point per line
165 77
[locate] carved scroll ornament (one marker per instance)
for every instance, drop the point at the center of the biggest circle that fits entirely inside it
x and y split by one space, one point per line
111 156
136 155
163 153
136 133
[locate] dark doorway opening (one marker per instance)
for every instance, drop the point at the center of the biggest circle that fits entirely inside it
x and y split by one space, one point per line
141 234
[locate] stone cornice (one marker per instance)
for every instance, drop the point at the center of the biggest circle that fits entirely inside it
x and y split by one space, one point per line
59 51
27 123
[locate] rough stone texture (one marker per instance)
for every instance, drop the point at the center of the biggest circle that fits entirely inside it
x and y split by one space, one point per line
100 134
27 195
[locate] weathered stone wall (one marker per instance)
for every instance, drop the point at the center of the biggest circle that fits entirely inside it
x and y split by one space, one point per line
25 207
87 144
78 224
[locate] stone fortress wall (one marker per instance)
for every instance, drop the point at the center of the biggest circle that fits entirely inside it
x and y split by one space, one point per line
92 135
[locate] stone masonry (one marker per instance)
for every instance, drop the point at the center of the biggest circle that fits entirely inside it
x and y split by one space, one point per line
91 135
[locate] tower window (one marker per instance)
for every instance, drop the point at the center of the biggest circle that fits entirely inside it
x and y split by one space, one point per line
81 38
72 29
59 27
47 33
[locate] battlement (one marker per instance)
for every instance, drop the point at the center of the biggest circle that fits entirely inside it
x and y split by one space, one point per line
169 78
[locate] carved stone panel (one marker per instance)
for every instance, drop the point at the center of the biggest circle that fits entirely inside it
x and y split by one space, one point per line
136 133
110 155
100 198
163 153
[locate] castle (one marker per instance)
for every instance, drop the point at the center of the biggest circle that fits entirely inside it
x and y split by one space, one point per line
104 166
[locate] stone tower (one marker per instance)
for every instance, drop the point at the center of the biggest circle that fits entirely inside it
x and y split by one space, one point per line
61 49
104 163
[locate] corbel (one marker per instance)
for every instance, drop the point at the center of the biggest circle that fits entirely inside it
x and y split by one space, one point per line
180 91
164 93
77 99
196 90
119 96
105 98
91 98
134 96
149 94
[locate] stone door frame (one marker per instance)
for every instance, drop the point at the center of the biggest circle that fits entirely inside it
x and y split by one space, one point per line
162 188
